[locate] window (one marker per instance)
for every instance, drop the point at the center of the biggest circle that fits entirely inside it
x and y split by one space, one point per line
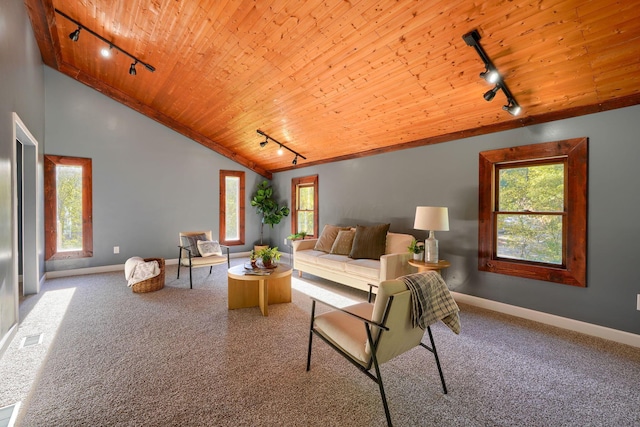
231 207
304 195
533 211
68 216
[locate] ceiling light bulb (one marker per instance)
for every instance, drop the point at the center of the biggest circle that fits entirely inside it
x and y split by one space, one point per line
280 152
106 52
490 76
512 108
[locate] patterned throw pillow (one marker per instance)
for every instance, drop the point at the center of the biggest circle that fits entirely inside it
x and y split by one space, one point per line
327 237
191 243
209 248
343 242
369 241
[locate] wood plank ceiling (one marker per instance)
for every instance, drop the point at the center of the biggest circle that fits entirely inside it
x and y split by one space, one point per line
336 79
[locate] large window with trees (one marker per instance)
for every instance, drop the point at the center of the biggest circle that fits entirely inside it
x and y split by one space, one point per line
533 211
304 197
231 207
68 216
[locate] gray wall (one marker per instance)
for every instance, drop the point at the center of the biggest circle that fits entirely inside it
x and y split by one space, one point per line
21 91
149 182
388 187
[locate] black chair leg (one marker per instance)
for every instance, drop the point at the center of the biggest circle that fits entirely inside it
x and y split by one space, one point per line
378 378
435 354
313 310
190 276
179 262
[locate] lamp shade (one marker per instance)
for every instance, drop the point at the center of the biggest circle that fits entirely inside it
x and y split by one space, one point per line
432 218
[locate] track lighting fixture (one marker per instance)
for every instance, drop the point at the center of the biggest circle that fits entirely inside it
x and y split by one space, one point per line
281 147
106 51
491 74
512 107
75 35
488 95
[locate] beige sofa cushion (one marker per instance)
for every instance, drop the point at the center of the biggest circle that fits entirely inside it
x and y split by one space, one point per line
334 262
368 268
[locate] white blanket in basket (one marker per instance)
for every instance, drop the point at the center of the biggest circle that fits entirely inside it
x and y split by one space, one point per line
136 270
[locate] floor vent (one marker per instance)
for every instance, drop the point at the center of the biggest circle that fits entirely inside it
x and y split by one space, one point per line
31 340
8 415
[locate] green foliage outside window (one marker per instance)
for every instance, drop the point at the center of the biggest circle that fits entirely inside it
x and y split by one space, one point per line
529 217
69 207
305 209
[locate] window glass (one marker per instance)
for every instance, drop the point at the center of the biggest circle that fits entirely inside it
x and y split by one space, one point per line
69 208
232 205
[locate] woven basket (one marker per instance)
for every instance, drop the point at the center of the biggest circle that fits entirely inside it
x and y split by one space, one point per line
153 284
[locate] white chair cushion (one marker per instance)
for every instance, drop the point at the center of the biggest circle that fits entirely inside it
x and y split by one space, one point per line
345 331
204 261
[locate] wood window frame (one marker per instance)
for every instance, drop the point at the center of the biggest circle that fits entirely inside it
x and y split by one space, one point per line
573 270
51 202
305 180
241 214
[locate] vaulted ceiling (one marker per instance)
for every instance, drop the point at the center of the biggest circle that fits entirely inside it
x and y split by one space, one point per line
336 79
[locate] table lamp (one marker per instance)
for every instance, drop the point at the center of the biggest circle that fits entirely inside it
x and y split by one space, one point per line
433 219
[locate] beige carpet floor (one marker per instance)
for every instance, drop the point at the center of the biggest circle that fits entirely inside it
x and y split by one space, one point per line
178 357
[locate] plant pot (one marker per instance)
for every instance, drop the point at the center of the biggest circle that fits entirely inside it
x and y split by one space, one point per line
417 257
258 248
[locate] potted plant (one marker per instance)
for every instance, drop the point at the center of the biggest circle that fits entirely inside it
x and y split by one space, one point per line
416 249
298 236
253 258
266 206
269 256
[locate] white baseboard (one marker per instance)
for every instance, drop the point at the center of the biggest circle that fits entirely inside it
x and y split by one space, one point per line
551 319
116 267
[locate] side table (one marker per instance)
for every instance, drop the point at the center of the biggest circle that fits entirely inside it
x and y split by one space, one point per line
430 266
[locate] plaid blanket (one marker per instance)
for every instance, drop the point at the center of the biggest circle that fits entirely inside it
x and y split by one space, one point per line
431 301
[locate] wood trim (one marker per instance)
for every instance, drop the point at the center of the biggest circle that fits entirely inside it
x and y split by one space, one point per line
241 213
311 179
50 207
574 272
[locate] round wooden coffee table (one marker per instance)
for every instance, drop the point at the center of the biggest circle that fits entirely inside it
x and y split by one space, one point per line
250 290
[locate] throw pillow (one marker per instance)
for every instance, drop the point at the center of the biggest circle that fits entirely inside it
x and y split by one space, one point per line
369 241
209 248
327 237
191 242
343 242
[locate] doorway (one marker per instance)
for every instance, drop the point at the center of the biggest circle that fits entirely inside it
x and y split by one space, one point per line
26 224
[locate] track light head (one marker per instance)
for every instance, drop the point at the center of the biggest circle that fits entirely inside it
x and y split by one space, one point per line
295 160
280 151
263 143
490 76
75 35
488 95
512 107
132 69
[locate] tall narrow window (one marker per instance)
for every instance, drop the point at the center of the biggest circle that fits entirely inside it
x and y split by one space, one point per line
231 207
68 207
533 211
304 195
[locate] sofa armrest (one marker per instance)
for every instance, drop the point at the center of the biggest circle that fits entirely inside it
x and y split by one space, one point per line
300 245
393 266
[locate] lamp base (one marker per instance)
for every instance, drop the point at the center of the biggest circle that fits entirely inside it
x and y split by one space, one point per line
431 248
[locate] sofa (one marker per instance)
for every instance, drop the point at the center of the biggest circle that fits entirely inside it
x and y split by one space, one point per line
354 256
